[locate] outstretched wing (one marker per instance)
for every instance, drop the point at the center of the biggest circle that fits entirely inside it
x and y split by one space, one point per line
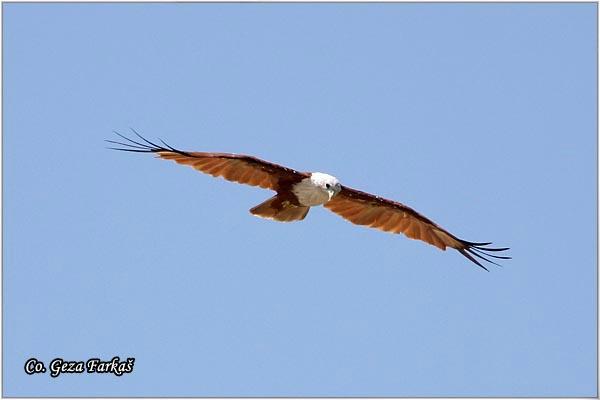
233 167
373 211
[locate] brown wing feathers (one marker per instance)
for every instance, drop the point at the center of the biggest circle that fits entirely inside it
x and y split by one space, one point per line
386 215
353 205
233 167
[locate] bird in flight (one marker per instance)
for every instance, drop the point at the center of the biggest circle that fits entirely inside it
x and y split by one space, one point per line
296 192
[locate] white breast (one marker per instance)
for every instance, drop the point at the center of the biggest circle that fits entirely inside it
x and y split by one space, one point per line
309 194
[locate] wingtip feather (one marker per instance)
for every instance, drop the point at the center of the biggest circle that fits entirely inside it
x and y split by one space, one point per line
479 250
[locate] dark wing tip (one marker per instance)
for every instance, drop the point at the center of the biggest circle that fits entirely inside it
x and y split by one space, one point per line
481 251
143 146
466 254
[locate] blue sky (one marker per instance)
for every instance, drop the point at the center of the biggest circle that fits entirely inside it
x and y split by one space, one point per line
480 116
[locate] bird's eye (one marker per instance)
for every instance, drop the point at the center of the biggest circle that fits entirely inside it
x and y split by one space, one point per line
327 185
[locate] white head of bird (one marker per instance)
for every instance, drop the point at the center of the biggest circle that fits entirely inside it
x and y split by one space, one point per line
317 190
329 184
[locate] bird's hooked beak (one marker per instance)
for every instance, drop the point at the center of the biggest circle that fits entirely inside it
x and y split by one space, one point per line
334 190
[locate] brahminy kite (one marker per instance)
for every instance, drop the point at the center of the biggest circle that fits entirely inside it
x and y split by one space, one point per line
297 191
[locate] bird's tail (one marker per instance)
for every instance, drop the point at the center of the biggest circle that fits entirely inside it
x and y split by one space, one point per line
279 209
